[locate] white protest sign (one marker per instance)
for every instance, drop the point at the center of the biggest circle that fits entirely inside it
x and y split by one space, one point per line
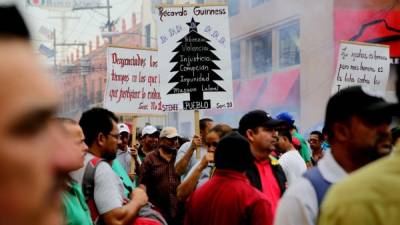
194 46
362 64
133 81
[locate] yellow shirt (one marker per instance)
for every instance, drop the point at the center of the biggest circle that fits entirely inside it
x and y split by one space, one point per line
368 196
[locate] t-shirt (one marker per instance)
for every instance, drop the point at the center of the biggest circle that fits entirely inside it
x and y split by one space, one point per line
193 160
108 187
304 150
204 175
75 207
126 181
228 199
293 165
269 183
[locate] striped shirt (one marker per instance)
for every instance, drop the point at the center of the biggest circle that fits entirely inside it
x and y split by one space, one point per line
161 181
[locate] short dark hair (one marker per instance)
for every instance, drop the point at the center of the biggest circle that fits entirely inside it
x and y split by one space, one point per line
203 123
285 133
95 121
16 28
319 134
233 153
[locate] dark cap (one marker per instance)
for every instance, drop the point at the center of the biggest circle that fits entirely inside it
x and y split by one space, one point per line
354 101
233 153
257 118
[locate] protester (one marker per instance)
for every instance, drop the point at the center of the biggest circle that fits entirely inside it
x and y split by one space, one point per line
75 207
304 150
315 141
111 205
148 141
355 126
185 159
325 144
201 172
125 155
228 198
373 198
265 174
292 163
35 159
159 179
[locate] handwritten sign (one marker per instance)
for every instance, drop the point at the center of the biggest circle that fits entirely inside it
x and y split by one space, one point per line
193 42
133 81
362 64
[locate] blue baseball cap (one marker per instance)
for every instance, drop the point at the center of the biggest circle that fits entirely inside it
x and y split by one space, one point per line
286 116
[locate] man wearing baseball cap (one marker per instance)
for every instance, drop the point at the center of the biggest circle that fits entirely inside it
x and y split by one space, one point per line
158 176
149 141
356 123
265 174
123 152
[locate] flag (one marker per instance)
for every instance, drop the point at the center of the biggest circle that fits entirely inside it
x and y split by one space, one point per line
46 51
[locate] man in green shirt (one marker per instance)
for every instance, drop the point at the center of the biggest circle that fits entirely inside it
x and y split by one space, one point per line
75 207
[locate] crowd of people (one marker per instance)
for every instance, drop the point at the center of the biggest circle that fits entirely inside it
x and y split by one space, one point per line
59 171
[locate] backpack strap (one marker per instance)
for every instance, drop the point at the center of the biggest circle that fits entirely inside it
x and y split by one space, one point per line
319 183
88 186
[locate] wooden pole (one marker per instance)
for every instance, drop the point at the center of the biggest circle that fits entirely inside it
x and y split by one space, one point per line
133 142
197 130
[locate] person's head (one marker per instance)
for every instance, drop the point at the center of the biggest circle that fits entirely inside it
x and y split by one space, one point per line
215 134
288 118
315 140
356 124
205 125
101 132
284 142
233 153
169 139
150 136
259 129
33 168
74 134
124 132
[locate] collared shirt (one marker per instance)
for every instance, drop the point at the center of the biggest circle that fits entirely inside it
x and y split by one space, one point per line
228 198
368 196
161 181
75 207
299 205
269 183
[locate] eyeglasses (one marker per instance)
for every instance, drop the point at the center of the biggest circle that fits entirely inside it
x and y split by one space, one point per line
116 136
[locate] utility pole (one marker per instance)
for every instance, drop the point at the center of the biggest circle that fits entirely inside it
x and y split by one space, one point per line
108 7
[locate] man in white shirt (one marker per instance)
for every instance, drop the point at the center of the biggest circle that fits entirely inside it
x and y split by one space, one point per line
356 124
291 161
185 159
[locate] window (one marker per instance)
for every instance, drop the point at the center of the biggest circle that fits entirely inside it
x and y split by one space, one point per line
233 7
200 1
254 3
289 53
170 1
235 59
261 53
100 91
92 91
148 35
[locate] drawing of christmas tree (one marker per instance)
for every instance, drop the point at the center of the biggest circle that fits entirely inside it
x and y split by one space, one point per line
195 69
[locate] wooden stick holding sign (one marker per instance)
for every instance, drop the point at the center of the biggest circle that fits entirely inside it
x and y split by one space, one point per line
197 130
132 169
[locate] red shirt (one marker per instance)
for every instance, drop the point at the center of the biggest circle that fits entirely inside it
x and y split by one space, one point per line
228 198
269 183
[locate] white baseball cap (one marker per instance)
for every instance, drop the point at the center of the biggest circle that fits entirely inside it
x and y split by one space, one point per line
169 132
122 127
149 129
